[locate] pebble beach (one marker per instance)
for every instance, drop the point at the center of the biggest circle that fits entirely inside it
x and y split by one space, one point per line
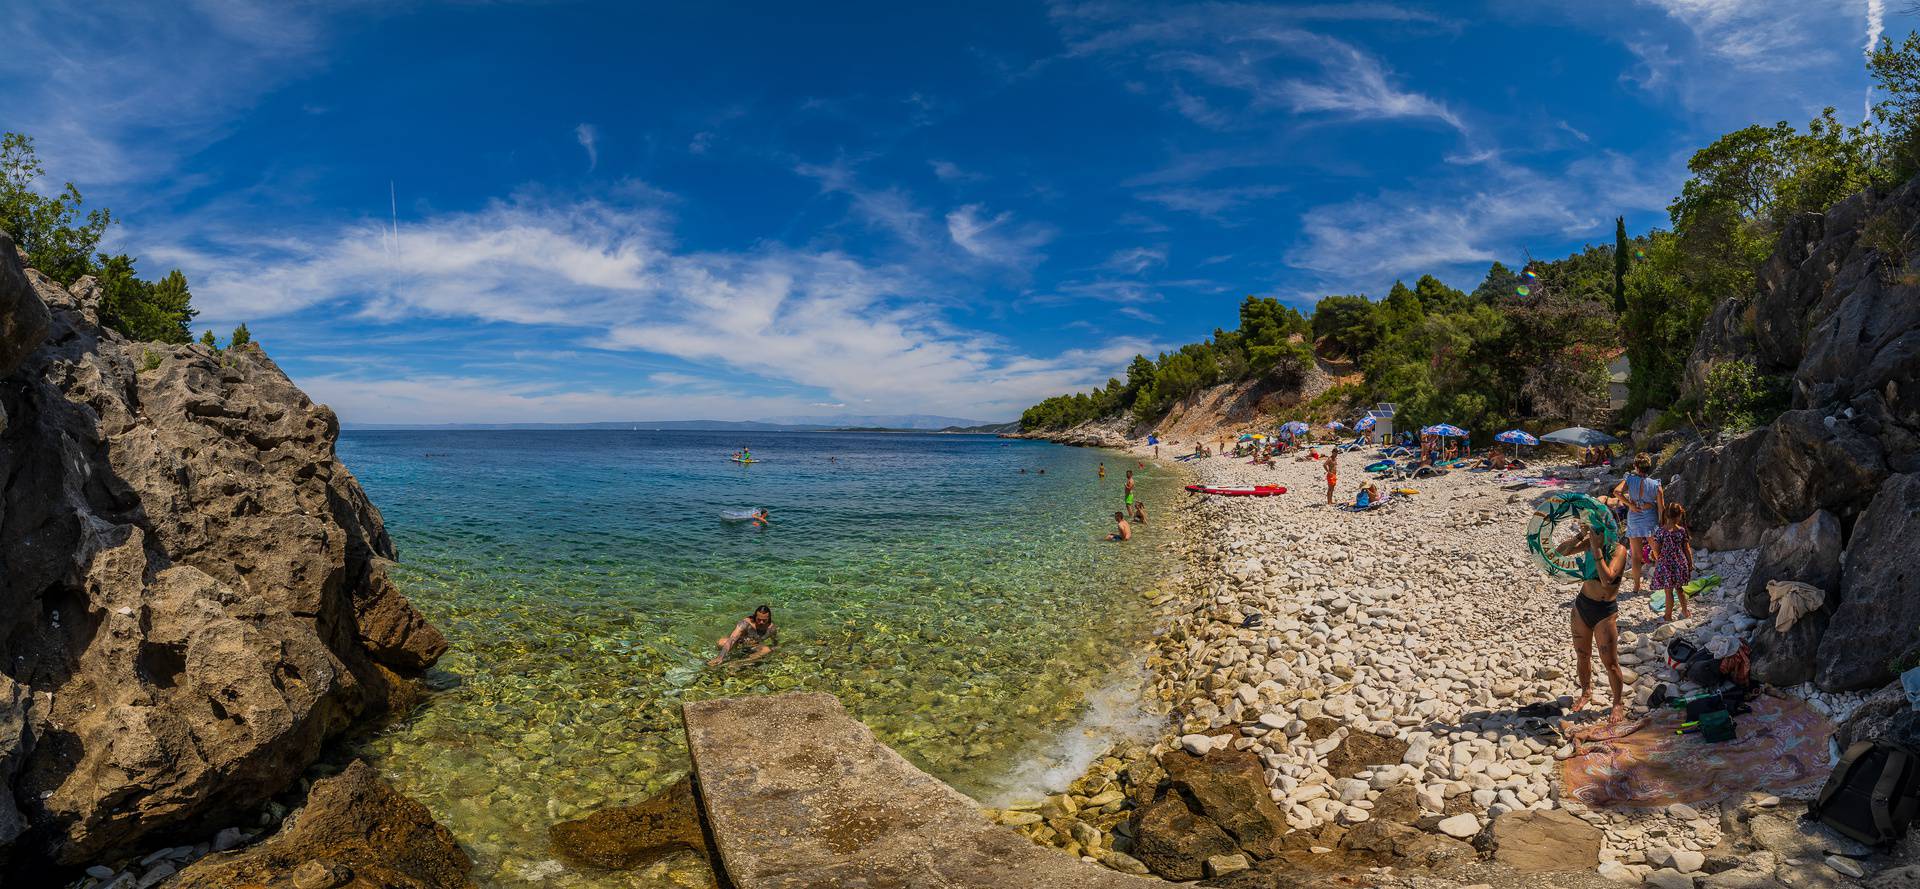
1407 638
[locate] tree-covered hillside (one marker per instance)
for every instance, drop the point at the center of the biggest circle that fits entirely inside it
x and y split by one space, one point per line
1531 342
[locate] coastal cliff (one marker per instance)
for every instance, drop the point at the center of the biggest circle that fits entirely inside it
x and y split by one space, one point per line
1829 489
193 590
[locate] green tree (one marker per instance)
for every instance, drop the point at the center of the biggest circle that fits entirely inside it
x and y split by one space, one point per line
1620 265
206 339
143 310
1896 75
240 337
1347 323
48 229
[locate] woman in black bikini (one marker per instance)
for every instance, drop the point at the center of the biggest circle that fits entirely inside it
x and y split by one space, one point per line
1596 618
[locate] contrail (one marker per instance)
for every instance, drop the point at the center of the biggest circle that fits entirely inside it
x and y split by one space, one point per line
1876 24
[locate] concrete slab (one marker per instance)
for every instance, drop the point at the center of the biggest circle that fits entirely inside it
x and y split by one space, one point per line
798 795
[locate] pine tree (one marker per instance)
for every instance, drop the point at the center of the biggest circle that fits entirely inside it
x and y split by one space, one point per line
1620 265
240 337
206 339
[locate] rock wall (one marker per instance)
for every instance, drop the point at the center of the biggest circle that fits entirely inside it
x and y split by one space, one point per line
1837 310
193 590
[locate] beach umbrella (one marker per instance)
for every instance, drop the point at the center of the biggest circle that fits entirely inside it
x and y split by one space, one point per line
1515 436
1365 423
1336 425
1294 428
1444 430
1579 436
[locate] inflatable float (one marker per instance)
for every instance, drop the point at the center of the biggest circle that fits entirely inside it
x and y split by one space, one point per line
1238 490
738 460
1381 466
1566 507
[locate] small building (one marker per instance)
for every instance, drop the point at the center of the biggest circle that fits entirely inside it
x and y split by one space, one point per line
1618 370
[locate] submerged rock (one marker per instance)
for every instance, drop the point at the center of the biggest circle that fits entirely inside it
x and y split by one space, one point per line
355 831
627 837
192 587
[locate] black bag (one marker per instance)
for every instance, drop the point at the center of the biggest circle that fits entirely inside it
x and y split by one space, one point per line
1872 795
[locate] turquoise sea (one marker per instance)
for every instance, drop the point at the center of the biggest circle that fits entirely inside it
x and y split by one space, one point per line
970 613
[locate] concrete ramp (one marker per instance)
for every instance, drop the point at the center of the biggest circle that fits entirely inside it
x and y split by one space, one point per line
798 794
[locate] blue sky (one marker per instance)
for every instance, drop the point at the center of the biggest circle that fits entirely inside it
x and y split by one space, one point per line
719 210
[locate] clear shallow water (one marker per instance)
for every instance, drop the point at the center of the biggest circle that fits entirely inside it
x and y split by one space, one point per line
969 613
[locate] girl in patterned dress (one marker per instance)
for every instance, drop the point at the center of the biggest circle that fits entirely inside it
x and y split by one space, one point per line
1673 558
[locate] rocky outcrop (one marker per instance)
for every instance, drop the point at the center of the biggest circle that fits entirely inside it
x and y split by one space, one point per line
1878 620
1716 484
193 589
627 837
1545 841
1229 787
355 832
1807 551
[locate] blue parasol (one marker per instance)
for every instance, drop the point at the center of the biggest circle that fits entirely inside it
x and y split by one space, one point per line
1445 430
1365 423
1515 436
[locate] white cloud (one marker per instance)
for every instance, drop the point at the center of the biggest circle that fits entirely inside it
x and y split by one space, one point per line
587 136
610 277
1362 244
1214 203
948 171
1135 260
997 238
1876 25
115 92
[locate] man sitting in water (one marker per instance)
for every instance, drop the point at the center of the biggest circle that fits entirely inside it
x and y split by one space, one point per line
1122 531
756 634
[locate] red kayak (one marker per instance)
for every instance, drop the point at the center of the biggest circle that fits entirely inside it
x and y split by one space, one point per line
1239 490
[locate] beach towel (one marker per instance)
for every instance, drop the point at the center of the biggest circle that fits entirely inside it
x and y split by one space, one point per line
1780 746
1792 600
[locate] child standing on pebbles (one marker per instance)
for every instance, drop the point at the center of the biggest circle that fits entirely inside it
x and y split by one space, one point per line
1673 558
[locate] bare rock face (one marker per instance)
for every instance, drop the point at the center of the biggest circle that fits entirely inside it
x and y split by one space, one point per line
1878 620
1807 551
355 832
23 317
193 590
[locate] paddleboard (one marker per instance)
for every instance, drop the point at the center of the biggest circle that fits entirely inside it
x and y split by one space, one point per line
1239 490
738 460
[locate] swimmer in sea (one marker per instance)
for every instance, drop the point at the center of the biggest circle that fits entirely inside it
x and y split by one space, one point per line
1122 531
760 519
755 634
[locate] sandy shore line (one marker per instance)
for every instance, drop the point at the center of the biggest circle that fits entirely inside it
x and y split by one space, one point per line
1420 629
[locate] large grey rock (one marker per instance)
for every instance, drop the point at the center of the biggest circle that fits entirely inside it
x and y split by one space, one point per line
1886 715
1790 658
15 742
1716 484
1878 620
1807 551
189 580
23 317
1810 465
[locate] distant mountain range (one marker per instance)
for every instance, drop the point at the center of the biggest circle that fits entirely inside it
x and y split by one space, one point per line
863 423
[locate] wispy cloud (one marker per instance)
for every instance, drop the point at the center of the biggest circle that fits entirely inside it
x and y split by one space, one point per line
589 138
120 91
1215 203
1135 260
948 171
1362 244
997 238
1876 25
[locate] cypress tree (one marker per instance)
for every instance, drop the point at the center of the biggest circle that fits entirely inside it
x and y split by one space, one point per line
1620 265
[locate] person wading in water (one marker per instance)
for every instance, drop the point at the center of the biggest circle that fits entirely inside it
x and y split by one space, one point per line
756 635
1596 617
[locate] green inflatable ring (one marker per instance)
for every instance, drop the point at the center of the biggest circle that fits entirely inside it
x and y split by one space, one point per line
1560 507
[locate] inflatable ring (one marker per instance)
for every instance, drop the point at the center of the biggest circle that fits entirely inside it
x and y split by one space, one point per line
1380 466
1558 508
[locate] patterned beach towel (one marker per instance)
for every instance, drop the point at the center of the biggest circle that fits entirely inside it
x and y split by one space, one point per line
1781 746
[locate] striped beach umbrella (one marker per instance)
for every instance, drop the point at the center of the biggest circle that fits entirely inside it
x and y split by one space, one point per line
1445 430
1515 436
